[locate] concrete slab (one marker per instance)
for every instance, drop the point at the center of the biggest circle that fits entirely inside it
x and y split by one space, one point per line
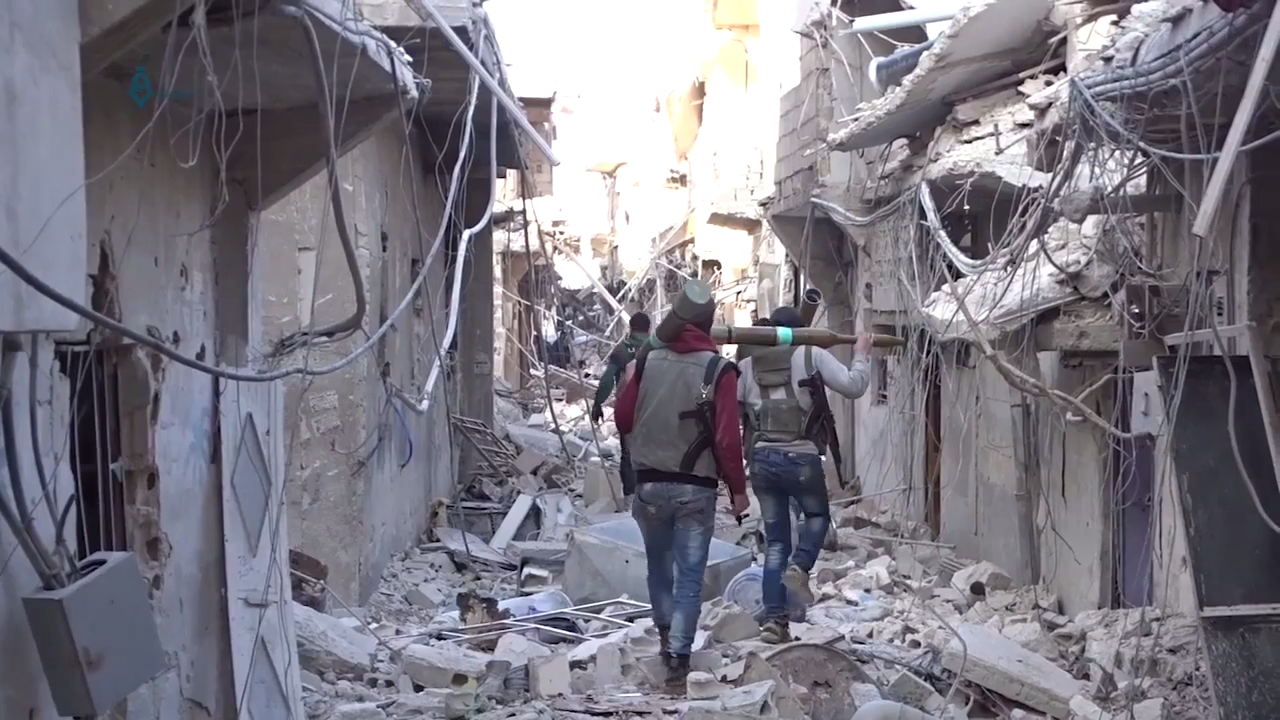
989 39
365 63
995 662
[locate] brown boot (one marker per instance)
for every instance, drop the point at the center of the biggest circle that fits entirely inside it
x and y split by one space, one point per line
775 631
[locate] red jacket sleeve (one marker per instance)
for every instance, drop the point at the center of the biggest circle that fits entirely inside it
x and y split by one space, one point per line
728 441
624 409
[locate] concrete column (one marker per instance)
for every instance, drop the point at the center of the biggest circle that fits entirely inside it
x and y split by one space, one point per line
475 322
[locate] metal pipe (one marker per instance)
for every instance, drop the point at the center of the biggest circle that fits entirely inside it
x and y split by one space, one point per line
809 303
427 11
897 20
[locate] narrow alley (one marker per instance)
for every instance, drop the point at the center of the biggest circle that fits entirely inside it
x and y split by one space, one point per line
347 348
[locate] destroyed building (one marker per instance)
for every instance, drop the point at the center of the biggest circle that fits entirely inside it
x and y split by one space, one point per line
1067 475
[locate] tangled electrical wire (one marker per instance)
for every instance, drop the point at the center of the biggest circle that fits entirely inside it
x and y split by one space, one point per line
1105 137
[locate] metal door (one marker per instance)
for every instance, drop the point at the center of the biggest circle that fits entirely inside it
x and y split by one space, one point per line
260 613
1233 553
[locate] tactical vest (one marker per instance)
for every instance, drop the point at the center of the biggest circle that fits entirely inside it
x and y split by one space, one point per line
675 389
785 420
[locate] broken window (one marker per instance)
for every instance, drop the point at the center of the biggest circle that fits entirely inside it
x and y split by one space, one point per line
94 445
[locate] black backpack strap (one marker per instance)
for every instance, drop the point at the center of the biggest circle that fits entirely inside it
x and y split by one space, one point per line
641 356
704 413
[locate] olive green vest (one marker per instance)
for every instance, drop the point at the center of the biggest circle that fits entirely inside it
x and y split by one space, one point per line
783 420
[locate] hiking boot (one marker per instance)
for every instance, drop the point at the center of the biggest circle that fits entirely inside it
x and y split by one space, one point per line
796 581
677 674
664 640
775 632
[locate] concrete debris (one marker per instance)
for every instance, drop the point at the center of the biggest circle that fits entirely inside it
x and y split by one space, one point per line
443 666
880 638
326 646
549 676
984 657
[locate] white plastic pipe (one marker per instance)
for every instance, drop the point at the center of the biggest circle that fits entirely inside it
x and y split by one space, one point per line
455 300
898 20
428 11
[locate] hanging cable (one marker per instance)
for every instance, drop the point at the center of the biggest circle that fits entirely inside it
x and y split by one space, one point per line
19 520
424 398
33 419
353 322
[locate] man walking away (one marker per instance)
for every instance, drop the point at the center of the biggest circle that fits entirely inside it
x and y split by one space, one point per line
621 356
775 386
679 411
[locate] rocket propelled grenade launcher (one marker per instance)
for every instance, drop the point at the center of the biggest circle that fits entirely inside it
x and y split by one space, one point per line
819 337
809 303
696 300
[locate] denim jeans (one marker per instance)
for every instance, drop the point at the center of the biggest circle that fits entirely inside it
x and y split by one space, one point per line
781 480
677 521
626 471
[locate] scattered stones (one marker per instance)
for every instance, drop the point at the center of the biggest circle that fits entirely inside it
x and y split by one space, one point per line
892 607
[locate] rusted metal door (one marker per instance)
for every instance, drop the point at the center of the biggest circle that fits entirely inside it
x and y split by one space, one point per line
1232 550
260 614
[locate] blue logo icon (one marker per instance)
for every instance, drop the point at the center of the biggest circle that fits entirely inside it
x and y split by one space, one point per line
141 91
140 87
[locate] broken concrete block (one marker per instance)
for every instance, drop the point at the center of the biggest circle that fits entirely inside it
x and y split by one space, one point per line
518 649
358 711
703 686
755 699
863 693
326 645
429 597
867 579
1032 637
608 667
995 662
1153 709
729 623
990 576
602 488
729 673
549 676
911 690
1083 709
443 666
757 670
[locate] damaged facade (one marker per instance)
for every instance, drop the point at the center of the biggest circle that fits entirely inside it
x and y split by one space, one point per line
207 228
323 400
1026 203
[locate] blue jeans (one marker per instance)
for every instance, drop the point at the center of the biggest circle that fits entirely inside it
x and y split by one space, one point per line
626 471
677 521
780 479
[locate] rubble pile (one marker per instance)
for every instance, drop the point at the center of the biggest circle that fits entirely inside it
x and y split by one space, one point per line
493 624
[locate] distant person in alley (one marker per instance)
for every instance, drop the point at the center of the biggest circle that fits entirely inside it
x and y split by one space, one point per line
679 413
621 356
783 392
